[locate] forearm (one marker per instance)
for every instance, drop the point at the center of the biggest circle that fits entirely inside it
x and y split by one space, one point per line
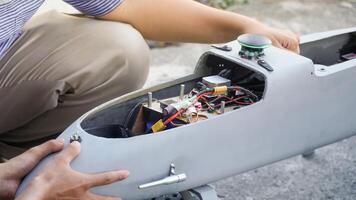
181 20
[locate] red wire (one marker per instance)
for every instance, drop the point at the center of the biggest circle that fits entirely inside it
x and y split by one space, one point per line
203 95
169 120
233 100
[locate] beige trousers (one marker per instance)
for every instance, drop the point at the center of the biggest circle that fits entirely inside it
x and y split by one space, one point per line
61 67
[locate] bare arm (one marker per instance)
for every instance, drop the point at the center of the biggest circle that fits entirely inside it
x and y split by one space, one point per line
189 21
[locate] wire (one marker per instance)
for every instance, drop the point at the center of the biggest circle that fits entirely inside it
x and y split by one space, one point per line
129 116
170 119
176 125
246 91
231 100
199 96
202 95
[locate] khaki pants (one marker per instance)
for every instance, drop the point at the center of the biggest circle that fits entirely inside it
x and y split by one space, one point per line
61 67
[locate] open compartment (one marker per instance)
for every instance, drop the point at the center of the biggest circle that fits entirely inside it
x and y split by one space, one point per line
332 50
222 86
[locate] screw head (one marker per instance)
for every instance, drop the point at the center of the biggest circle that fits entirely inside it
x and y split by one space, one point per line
75 137
322 69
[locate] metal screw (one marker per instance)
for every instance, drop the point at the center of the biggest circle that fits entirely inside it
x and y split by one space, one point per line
222 108
172 170
75 137
149 99
322 69
181 93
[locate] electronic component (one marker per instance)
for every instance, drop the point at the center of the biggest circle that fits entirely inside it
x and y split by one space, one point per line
158 126
216 81
213 96
169 110
349 56
220 90
252 46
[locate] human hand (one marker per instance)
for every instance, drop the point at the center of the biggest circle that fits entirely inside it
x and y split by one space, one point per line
280 38
59 181
12 172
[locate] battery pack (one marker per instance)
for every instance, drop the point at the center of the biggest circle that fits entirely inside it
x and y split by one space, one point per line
216 81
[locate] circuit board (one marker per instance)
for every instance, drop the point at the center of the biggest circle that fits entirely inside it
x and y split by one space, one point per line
213 96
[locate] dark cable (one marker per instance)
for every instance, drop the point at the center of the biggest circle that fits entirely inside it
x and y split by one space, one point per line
132 111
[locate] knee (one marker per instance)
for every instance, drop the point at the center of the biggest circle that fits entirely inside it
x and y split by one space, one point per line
129 49
109 56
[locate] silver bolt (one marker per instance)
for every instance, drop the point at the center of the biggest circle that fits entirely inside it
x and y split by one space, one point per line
149 99
222 108
181 92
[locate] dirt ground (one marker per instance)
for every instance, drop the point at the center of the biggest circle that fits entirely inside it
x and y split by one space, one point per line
331 174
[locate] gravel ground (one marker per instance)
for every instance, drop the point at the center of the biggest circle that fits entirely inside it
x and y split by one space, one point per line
331 173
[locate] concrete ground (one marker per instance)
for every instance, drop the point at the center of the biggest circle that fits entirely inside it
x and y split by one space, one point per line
331 174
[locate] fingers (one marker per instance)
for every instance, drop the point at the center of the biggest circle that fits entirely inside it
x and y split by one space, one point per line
285 39
293 41
288 43
25 162
107 178
294 46
298 38
297 50
276 43
97 197
69 153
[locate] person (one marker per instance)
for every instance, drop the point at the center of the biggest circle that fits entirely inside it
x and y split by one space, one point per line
56 67
57 180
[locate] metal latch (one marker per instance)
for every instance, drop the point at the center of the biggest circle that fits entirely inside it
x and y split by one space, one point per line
171 179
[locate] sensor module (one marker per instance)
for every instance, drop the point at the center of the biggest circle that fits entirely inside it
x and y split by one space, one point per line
216 81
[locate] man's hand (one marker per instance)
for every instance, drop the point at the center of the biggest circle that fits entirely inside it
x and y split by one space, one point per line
284 39
12 172
58 181
190 21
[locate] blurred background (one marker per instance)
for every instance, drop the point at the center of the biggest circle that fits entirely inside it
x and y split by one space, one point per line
331 173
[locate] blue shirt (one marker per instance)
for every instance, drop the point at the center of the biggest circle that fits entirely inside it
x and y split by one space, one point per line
15 13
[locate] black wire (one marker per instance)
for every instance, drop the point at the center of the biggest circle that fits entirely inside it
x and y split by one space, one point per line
246 91
226 73
132 111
